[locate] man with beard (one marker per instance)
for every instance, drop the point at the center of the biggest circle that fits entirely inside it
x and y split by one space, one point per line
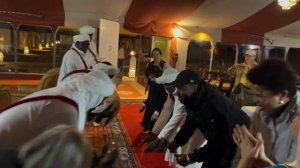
214 115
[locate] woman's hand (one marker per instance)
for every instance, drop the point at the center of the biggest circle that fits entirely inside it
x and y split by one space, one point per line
152 78
142 108
155 116
248 144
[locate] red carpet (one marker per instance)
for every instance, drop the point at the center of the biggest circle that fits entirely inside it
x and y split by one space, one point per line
131 120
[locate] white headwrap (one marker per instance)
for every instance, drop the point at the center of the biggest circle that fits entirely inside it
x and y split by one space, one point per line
87 29
81 37
92 88
108 69
169 75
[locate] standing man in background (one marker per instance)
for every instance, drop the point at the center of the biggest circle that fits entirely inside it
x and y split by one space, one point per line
75 58
241 92
121 56
92 55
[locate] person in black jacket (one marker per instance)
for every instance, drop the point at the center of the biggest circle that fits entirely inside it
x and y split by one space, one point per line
156 97
214 115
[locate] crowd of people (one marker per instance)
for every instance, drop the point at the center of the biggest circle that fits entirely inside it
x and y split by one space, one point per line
185 116
201 127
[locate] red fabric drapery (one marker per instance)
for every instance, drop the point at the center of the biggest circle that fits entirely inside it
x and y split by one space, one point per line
48 13
173 53
158 17
269 18
252 29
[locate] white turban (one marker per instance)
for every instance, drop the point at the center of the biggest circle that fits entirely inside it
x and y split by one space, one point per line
250 52
92 88
169 75
108 69
86 29
81 37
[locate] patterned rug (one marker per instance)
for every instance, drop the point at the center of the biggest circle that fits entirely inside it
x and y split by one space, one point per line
115 136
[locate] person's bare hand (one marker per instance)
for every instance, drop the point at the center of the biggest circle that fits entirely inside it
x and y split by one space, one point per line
154 116
172 146
152 145
142 108
182 159
151 137
250 146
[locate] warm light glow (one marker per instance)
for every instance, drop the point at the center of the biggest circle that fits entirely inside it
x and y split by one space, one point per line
132 66
202 37
47 45
40 47
177 32
252 47
287 4
26 50
1 57
132 53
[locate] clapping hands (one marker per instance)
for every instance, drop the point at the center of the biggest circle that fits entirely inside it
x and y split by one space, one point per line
252 148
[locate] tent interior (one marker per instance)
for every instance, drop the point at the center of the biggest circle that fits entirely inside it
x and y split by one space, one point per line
207 36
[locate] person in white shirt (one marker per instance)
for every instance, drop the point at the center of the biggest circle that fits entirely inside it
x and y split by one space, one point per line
66 104
74 59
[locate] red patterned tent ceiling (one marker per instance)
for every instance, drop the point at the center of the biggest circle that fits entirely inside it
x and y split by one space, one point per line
235 19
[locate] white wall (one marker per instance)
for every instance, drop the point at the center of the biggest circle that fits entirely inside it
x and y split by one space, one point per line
182 46
283 41
168 49
109 41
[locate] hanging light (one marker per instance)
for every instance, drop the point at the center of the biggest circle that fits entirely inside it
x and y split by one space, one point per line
177 32
287 4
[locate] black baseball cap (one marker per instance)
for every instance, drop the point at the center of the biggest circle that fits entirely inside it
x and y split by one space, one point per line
186 77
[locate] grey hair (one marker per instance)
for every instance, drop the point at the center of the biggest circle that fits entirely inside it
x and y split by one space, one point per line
60 147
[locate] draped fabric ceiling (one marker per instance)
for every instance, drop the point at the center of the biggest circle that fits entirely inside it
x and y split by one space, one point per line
236 21
33 12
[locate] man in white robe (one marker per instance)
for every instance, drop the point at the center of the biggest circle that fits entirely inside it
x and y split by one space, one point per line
67 104
92 54
111 104
74 59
